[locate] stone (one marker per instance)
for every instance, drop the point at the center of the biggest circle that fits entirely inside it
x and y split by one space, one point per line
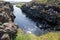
5 37
8 30
48 13
6 12
10 27
7 26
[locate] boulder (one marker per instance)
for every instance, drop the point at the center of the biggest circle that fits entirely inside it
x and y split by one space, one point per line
8 30
10 27
5 36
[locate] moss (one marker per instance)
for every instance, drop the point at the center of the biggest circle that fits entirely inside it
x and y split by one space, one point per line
40 1
19 5
58 6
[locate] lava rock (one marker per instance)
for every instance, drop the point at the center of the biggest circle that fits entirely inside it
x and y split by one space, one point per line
8 30
5 36
49 13
10 27
7 27
6 12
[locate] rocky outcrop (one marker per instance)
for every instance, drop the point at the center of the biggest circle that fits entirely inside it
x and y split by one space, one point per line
7 26
6 12
49 13
8 30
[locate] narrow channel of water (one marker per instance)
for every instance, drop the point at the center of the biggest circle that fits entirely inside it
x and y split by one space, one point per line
26 24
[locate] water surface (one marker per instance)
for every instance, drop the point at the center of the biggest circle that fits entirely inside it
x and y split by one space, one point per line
26 24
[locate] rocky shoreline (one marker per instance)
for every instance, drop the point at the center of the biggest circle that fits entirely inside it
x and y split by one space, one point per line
7 26
49 13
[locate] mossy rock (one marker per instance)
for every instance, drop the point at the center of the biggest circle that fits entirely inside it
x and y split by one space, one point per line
58 6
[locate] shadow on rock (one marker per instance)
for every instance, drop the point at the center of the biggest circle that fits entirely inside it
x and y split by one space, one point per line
48 14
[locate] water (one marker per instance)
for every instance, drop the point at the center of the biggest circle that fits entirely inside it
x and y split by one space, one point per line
26 24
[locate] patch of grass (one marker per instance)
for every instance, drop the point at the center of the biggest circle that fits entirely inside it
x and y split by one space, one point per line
40 1
46 0
48 36
19 4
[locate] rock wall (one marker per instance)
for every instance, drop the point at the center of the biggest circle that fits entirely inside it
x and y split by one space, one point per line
49 13
7 26
6 12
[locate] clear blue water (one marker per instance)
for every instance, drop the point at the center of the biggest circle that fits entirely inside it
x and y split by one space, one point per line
26 24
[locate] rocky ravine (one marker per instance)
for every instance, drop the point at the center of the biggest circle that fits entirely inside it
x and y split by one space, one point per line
7 26
49 13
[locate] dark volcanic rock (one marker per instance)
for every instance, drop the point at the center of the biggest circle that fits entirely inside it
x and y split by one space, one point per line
10 27
7 30
7 27
49 13
5 37
6 12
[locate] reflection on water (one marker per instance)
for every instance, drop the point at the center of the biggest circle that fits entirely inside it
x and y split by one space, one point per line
26 24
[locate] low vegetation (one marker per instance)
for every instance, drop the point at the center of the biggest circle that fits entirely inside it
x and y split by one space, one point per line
19 4
38 1
49 36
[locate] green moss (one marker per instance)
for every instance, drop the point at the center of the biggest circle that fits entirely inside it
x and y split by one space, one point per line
58 6
19 4
40 1
47 1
